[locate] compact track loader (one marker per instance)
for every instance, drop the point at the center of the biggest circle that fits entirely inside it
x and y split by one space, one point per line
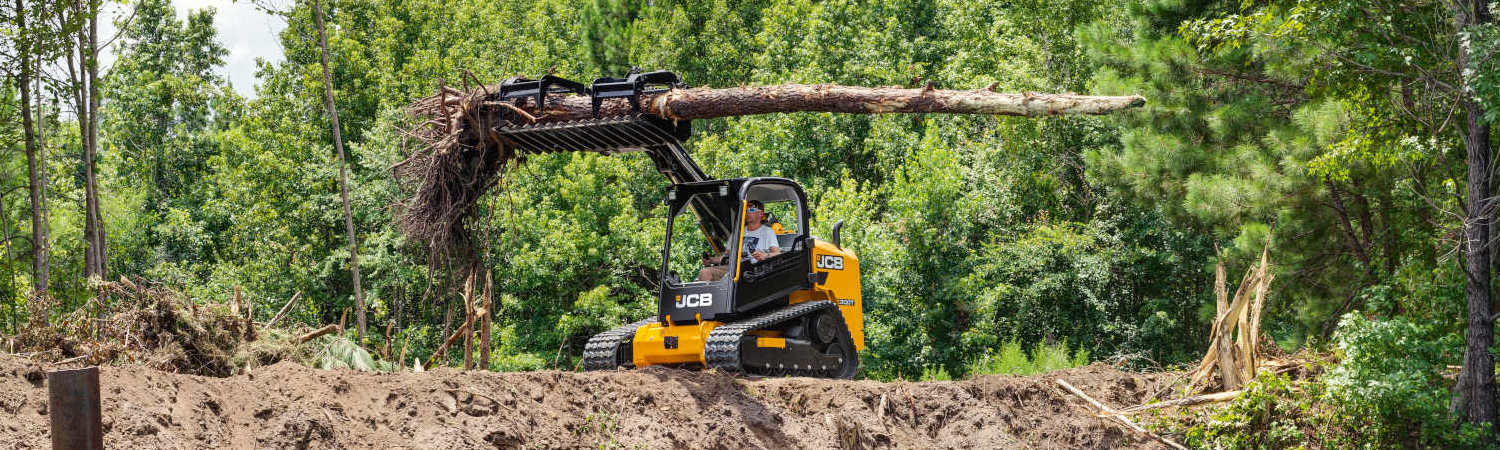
795 313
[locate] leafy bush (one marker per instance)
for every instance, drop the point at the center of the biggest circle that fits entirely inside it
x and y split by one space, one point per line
338 352
1271 412
935 373
1391 399
1387 391
1011 359
521 362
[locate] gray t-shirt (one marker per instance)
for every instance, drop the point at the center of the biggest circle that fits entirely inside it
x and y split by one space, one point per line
759 239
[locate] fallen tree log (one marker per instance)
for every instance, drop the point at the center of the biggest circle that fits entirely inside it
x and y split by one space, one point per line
330 328
1107 412
459 157
709 103
439 353
1186 401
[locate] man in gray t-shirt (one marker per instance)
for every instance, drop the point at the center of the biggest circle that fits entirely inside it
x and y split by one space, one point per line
759 243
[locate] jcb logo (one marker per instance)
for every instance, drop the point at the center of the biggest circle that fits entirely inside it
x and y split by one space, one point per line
831 262
695 300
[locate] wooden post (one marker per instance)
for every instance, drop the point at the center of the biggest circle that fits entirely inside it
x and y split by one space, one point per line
385 350
249 327
234 303
484 321
1221 286
469 318
402 358
73 407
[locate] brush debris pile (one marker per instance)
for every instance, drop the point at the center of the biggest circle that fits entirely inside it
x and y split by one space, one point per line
158 327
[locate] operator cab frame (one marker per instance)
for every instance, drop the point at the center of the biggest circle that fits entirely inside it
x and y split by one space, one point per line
747 286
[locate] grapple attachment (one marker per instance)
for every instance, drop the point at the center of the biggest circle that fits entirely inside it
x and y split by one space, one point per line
630 132
605 135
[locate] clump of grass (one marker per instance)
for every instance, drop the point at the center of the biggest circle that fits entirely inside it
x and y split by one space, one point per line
1011 359
935 373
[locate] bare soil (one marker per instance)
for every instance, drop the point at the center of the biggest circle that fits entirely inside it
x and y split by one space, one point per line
291 406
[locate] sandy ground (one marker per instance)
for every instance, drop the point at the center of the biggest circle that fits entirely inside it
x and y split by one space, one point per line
291 406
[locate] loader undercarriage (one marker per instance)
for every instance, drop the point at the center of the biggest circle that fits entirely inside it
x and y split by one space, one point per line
806 339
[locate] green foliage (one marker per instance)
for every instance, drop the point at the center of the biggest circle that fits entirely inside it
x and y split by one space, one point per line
1012 359
520 362
1271 412
209 191
1483 75
339 352
1081 283
935 373
1369 399
1395 400
987 245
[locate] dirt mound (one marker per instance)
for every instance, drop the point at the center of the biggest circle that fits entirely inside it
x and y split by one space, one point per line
286 405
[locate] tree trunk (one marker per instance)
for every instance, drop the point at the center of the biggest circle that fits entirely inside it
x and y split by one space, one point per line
484 321
469 318
338 143
1475 398
448 314
98 244
36 168
707 103
84 83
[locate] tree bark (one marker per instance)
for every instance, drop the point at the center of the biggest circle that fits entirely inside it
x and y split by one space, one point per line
1475 398
740 101
36 167
331 328
469 318
706 103
84 80
484 322
96 238
338 143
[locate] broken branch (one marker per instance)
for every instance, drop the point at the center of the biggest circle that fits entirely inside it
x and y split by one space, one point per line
330 328
284 309
462 330
1186 401
1111 413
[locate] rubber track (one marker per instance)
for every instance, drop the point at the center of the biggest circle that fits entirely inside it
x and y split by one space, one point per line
600 353
723 346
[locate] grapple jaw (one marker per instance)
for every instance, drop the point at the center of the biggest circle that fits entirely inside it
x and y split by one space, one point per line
604 135
631 132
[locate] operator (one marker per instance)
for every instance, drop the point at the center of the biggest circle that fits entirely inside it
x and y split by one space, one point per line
757 239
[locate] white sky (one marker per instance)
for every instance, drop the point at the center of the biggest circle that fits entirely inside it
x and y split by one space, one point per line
247 32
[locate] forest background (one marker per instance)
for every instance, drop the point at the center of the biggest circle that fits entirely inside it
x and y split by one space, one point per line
1334 129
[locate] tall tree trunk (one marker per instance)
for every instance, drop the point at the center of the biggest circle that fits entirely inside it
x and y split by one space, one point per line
36 168
338 143
83 78
1476 385
97 244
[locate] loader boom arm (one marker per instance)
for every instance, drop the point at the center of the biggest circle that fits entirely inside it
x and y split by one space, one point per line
660 139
